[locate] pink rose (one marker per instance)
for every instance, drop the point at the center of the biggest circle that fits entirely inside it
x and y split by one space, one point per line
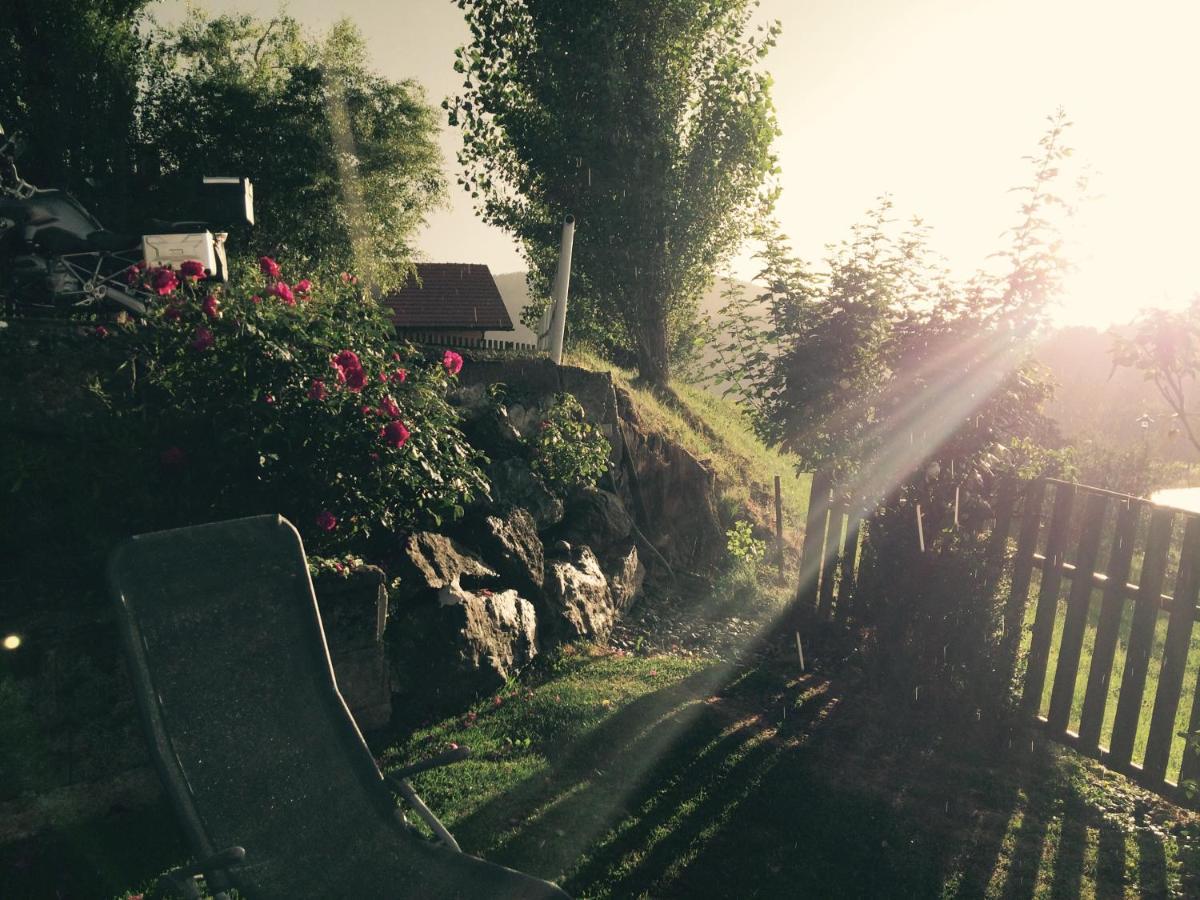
347 359
394 434
316 390
399 376
303 286
211 307
395 356
269 399
349 370
163 280
269 267
256 299
356 379
283 292
452 362
100 331
202 339
192 268
173 313
131 276
326 521
389 407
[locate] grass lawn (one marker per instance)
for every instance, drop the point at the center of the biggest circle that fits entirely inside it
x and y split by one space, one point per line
659 776
727 781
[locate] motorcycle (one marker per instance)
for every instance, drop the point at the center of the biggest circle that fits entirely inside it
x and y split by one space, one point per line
57 259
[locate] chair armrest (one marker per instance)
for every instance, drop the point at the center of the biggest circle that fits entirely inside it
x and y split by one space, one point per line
182 881
458 754
399 780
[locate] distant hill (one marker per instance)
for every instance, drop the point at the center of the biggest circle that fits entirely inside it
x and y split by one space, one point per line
1094 402
515 292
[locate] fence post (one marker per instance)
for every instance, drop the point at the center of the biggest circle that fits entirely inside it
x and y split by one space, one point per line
779 524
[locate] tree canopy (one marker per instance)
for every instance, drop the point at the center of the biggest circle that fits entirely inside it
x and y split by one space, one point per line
70 88
883 363
1165 348
345 163
129 116
650 123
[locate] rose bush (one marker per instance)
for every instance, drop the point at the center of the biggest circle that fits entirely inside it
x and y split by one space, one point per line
265 396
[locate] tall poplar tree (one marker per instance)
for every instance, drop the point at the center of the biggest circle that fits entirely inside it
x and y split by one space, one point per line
651 123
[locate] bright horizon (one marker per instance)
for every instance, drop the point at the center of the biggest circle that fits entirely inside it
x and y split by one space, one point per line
931 101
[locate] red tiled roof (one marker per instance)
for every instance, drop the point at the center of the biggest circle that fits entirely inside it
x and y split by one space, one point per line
450 295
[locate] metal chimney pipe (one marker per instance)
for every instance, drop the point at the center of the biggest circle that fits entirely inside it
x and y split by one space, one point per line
562 281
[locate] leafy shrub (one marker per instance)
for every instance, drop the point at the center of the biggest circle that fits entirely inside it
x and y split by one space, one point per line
267 396
568 451
743 546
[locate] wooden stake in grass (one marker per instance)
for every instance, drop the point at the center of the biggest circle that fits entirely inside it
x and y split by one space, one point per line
920 529
800 651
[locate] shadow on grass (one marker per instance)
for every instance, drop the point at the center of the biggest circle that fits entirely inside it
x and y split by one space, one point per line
704 789
98 859
712 787
743 782
1152 865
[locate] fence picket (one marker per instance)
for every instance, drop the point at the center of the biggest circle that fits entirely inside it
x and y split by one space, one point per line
1014 611
998 541
1141 638
1175 651
829 557
1190 769
1043 625
845 594
1108 627
1075 623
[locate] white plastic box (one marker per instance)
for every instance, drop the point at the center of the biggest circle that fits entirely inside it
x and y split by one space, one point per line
176 249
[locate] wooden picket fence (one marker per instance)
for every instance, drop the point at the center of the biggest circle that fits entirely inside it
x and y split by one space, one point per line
1111 660
1134 633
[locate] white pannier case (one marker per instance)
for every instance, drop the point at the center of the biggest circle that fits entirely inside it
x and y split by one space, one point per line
176 249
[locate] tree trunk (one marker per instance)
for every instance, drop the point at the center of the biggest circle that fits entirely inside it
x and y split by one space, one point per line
653 364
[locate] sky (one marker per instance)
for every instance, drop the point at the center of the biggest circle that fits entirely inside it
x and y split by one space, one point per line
934 102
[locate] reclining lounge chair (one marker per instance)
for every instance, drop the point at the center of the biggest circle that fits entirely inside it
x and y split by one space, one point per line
275 789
